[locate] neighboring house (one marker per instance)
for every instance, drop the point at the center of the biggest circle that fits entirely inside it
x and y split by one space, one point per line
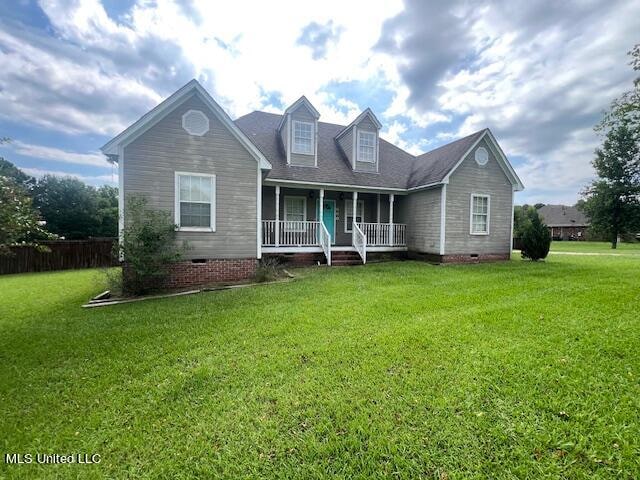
288 184
565 223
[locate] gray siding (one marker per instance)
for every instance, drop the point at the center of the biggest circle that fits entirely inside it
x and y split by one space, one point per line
491 180
302 160
346 143
150 163
421 212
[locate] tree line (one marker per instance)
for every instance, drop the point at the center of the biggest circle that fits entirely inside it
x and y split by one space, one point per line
32 210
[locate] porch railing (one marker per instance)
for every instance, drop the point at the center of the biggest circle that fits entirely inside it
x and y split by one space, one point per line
359 241
290 233
325 242
384 234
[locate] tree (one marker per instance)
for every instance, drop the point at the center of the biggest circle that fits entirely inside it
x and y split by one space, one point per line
19 221
9 170
536 238
612 201
522 215
147 246
626 108
107 202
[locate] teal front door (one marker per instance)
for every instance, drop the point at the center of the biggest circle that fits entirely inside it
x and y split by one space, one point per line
328 217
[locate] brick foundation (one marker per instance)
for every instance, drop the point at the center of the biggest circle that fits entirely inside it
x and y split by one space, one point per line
301 259
195 273
459 257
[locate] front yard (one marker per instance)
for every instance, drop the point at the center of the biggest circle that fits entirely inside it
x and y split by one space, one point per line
390 370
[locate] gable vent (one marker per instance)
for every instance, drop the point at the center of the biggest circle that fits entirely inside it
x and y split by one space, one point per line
195 123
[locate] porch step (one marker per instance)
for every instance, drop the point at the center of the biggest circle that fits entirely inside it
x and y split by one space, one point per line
342 258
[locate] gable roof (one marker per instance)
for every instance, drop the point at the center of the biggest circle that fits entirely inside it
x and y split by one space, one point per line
294 106
366 113
333 167
563 216
165 107
398 170
437 165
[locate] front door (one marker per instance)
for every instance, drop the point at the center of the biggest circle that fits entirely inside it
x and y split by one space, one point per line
328 217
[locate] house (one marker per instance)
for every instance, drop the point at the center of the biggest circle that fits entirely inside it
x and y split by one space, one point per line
289 184
565 223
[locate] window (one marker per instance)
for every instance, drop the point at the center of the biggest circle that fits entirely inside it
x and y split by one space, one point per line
482 156
367 147
479 222
195 201
302 137
348 214
295 213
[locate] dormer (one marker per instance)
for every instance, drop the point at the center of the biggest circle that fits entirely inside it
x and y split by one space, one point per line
360 142
299 132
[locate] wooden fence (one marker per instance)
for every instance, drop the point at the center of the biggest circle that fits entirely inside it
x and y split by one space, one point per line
64 255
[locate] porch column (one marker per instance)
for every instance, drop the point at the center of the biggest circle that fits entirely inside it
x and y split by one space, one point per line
321 206
392 233
378 220
277 215
355 207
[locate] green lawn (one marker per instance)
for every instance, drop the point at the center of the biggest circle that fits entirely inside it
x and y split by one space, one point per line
398 370
595 247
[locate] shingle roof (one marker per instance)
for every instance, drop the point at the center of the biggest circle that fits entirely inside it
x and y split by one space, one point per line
397 168
563 216
433 166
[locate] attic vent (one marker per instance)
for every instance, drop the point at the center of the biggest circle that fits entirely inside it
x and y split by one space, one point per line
195 123
482 156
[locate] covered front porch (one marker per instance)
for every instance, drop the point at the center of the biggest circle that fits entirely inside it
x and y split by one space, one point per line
294 221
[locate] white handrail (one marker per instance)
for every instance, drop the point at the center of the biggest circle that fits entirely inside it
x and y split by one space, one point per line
325 242
384 234
359 241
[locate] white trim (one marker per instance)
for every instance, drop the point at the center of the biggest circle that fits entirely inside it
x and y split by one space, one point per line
513 195
259 215
378 208
294 106
360 203
293 132
152 117
336 186
354 150
426 186
367 112
288 117
201 113
471 197
277 215
213 204
336 248
502 161
367 132
304 211
443 218
121 199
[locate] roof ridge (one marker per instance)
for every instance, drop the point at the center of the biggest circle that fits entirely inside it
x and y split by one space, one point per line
466 137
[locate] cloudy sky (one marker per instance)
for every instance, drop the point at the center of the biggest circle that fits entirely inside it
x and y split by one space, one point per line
539 74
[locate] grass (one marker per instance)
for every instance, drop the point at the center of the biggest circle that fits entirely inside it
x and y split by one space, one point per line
595 247
401 370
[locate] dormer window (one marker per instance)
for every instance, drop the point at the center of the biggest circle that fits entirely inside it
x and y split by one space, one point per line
366 147
302 137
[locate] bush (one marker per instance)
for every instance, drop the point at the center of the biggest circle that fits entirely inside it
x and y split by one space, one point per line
536 239
148 245
268 270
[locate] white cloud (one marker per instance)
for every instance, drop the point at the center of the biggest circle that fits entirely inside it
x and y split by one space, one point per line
95 159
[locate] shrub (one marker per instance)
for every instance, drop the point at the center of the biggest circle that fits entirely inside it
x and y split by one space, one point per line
536 239
268 270
148 245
